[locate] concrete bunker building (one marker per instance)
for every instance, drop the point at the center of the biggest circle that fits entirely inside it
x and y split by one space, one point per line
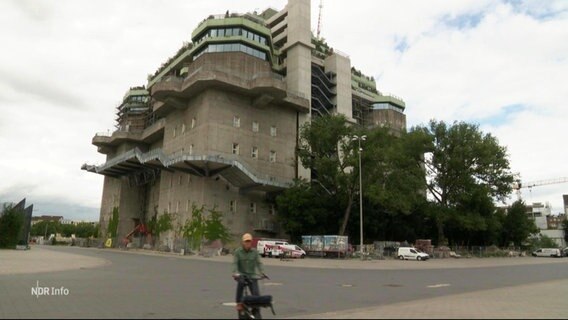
218 123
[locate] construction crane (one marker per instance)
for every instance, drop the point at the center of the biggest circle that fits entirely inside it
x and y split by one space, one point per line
319 18
518 185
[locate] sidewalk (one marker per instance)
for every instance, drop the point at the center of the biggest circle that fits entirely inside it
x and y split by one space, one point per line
38 260
545 300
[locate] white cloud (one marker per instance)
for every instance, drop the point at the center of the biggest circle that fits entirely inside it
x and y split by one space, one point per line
66 65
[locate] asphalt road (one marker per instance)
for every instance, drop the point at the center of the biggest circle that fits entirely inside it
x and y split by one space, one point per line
142 286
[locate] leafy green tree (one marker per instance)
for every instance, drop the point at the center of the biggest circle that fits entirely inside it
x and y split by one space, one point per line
112 229
463 160
565 228
327 149
542 241
11 223
45 228
161 224
86 230
214 227
307 208
66 230
204 226
518 226
194 228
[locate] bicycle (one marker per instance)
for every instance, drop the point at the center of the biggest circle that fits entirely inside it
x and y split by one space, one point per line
252 303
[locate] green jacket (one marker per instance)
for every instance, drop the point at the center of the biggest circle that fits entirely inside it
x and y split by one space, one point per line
247 262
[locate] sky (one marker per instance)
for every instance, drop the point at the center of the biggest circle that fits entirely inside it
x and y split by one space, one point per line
65 66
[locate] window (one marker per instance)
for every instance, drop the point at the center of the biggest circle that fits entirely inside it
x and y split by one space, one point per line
221 32
174 132
169 207
273 131
255 126
177 207
272 210
191 150
252 207
236 122
235 148
180 183
187 206
272 156
183 128
233 206
214 32
229 32
254 153
193 123
188 178
171 181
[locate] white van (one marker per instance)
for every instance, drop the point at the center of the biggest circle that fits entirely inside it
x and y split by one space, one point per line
547 252
269 247
408 253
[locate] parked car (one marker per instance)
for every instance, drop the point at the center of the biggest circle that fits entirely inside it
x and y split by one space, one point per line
269 247
547 252
409 253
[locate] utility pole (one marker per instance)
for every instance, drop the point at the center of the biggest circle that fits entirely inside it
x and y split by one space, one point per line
359 139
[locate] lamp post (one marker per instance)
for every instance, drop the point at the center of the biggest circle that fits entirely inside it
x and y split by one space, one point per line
359 139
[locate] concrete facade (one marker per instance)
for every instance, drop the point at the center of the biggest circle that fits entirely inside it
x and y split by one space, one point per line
218 124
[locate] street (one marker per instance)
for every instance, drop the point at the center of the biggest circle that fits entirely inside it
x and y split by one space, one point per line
160 286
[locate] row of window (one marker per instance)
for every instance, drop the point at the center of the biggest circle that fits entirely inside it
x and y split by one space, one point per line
254 152
231 47
183 128
231 32
255 126
387 106
233 208
252 207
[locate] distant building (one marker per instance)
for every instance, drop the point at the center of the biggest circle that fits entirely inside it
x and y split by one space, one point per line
538 212
37 219
555 222
565 197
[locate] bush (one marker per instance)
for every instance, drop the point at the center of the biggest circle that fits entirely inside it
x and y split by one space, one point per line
11 223
542 242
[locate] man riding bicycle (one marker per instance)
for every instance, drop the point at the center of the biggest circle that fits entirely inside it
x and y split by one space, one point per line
246 262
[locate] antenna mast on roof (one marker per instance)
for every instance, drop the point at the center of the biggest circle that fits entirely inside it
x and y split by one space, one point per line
319 18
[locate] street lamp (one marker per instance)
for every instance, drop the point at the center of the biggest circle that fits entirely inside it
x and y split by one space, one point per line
359 139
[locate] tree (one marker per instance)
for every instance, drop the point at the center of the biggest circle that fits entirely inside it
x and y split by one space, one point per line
214 227
518 226
327 149
112 229
307 208
85 230
462 161
200 228
565 228
11 223
161 224
194 228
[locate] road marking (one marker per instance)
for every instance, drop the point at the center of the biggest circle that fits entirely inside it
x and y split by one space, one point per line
229 304
441 285
268 284
347 285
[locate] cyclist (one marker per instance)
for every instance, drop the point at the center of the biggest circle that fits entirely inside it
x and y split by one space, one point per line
246 262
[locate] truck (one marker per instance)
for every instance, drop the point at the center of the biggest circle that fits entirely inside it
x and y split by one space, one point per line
326 246
278 248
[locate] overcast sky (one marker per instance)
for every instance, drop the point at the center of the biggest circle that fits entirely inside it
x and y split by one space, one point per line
66 64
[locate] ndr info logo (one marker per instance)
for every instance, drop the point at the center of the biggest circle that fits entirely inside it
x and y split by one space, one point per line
49 291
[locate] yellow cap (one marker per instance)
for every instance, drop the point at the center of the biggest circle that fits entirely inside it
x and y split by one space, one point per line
247 237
